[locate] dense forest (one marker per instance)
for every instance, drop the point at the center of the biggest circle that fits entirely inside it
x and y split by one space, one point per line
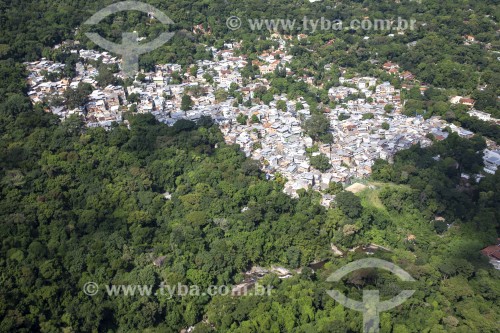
80 204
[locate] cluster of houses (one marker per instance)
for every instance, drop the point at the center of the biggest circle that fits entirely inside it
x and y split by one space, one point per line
483 116
277 139
359 142
269 61
41 87
369 97
393 68
157 93
364 129
47 86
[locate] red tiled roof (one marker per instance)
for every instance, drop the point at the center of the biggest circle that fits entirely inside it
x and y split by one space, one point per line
492 251
467 101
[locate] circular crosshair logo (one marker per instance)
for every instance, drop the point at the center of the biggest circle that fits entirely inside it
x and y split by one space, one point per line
371 306
129 49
